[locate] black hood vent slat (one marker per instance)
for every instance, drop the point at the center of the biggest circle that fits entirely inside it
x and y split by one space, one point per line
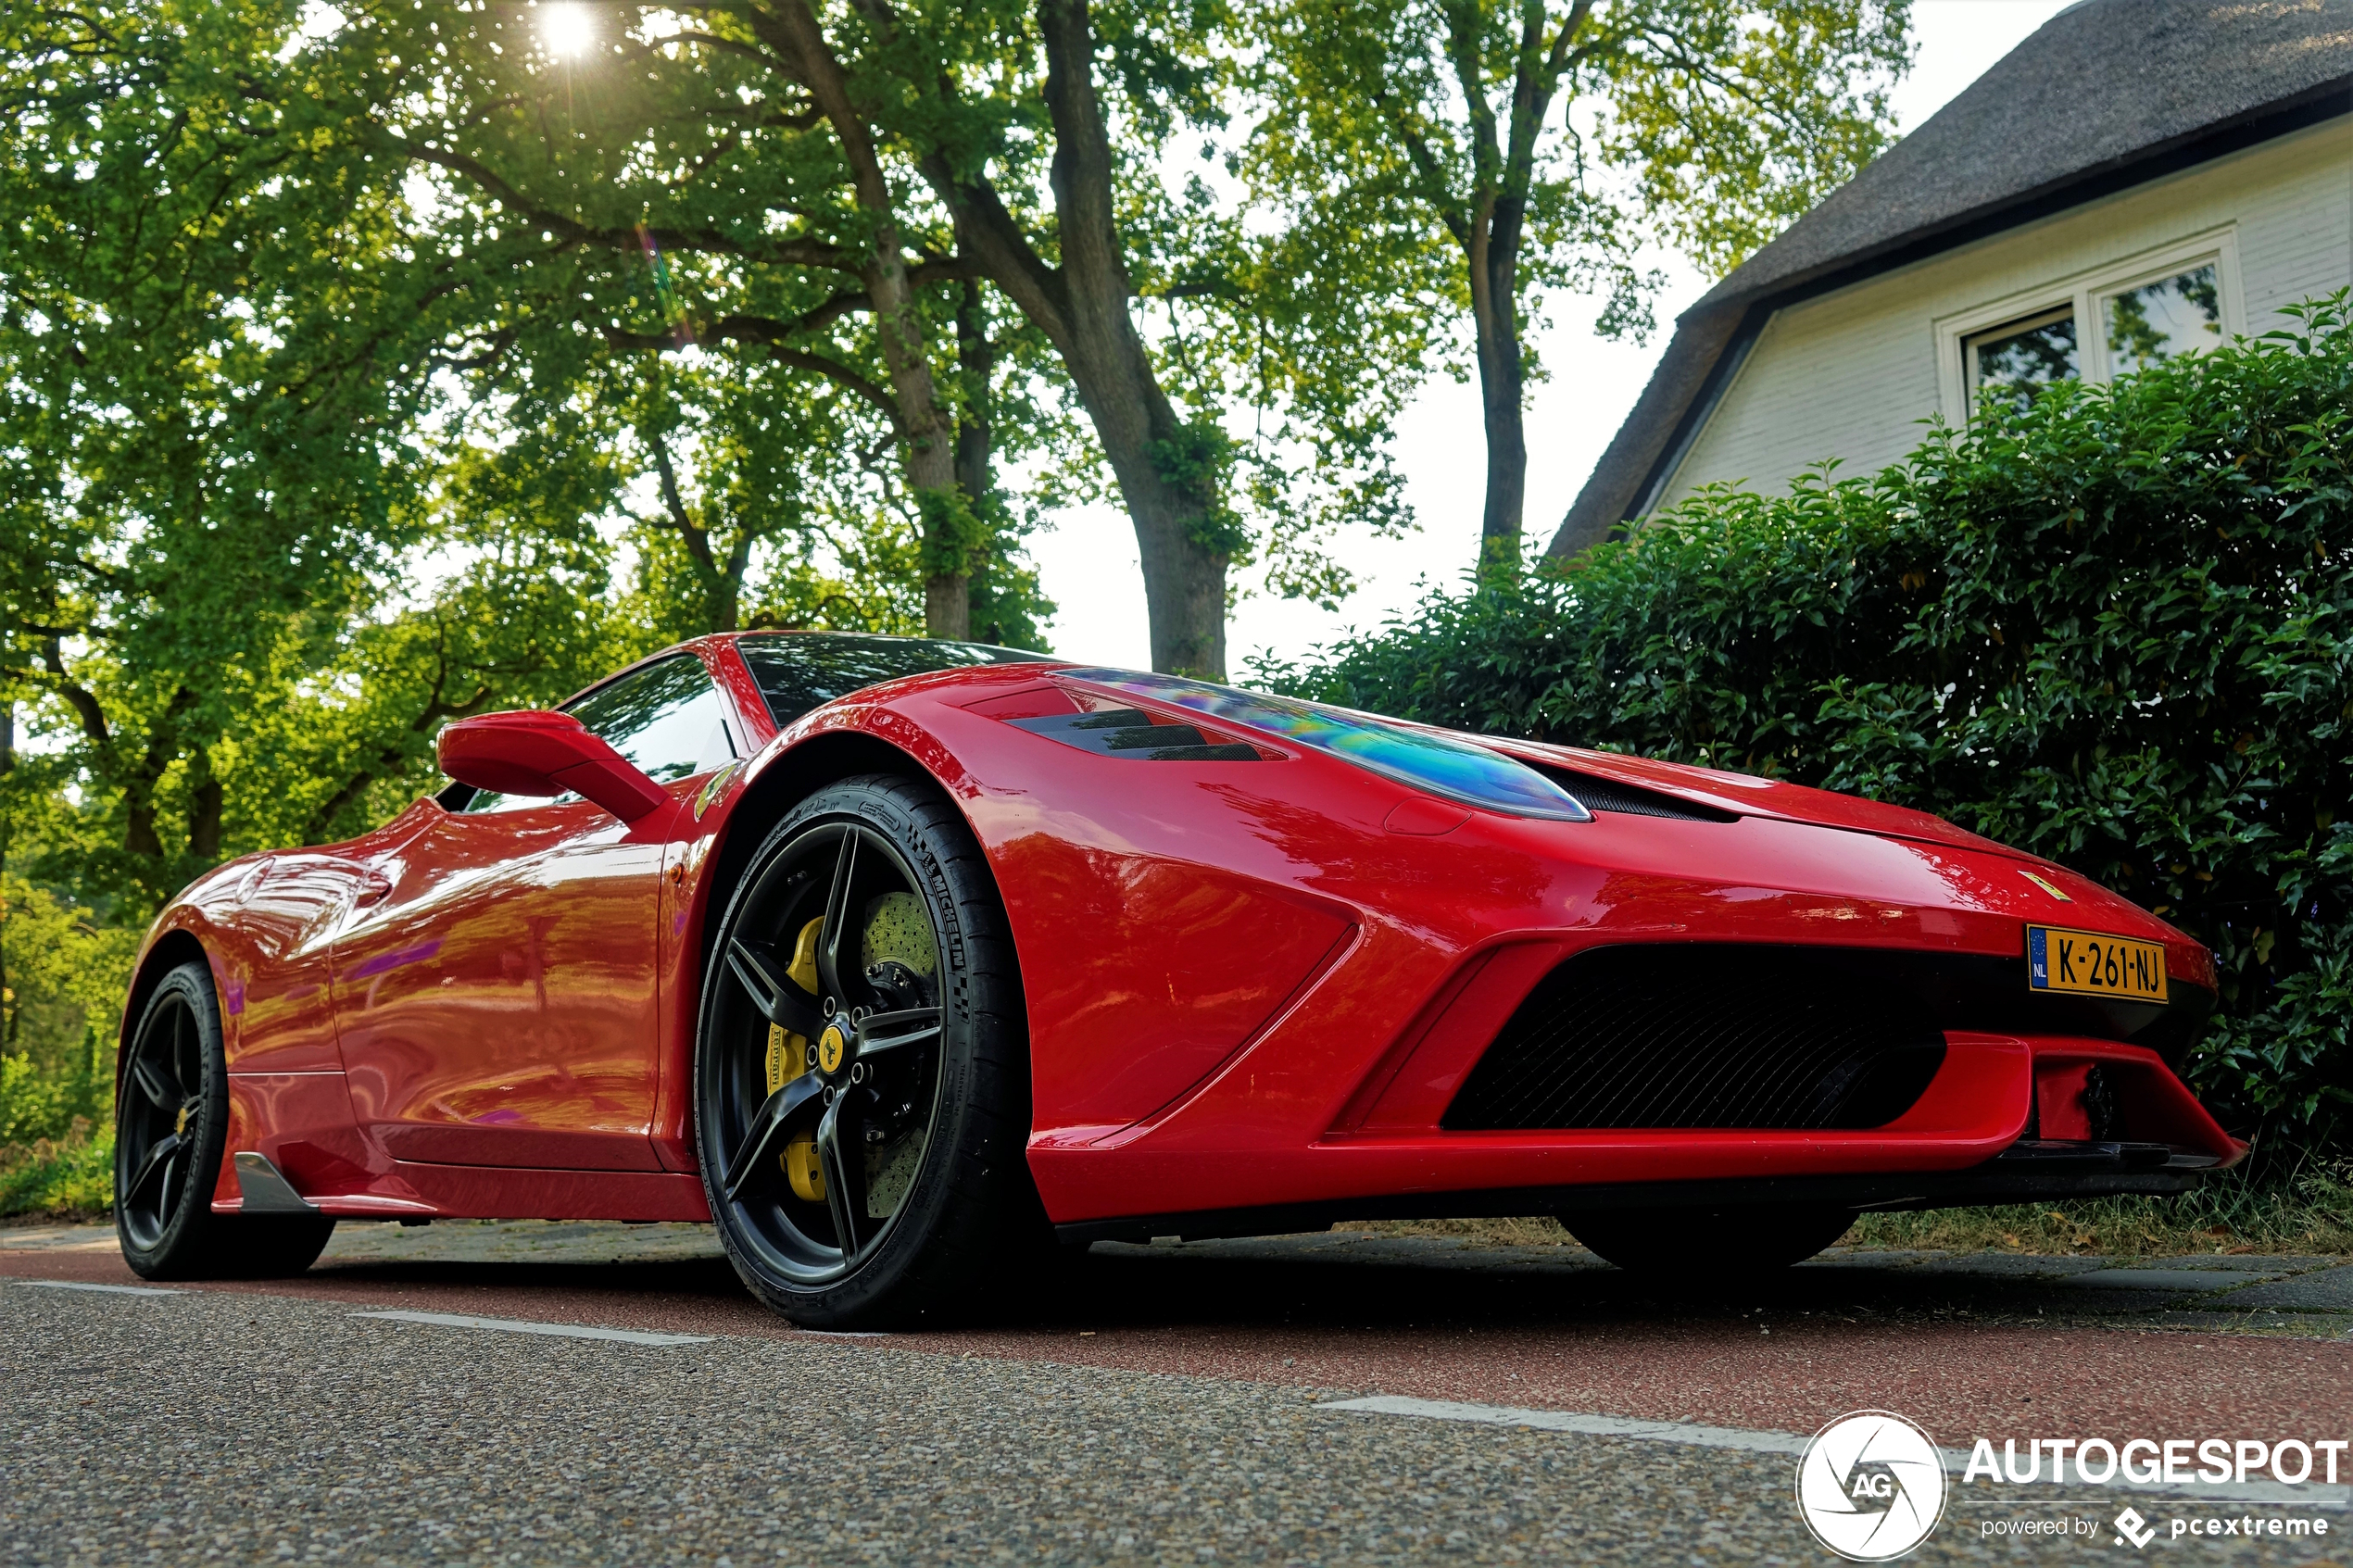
1598 793
1129 734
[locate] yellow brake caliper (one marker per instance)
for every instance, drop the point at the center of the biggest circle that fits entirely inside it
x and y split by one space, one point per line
787 1059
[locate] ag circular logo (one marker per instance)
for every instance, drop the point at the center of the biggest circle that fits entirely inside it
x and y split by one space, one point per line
1870 1487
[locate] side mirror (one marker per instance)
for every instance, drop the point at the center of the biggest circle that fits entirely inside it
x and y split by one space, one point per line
532 752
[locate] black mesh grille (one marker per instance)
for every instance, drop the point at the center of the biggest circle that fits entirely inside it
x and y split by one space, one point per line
1704 1035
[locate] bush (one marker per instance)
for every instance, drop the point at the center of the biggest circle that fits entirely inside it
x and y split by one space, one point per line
65 1177
35 1104
32 1106
2114 628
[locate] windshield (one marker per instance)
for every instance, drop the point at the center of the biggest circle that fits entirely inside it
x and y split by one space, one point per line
799 670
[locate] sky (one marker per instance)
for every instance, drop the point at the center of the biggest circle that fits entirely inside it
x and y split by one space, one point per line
1089 563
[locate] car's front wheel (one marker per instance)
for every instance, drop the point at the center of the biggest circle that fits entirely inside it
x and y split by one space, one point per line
860 1068
1696 1244
172 1118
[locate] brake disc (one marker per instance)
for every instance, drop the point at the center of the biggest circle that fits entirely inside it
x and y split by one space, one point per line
901 961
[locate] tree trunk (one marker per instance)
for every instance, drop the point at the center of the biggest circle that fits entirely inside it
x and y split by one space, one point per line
139 834
1082 307
204 809
1501 385
975 418
1489 229
1506 436
722 587
925 434
1183 574
1184 580
948 608
975 426
930 444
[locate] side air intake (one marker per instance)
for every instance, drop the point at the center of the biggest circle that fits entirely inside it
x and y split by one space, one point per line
1704 1035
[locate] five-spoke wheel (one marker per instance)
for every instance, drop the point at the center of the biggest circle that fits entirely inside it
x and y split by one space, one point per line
858 1076
171 1116
160 1116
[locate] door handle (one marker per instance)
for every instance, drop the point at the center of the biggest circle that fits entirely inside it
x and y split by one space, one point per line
374 886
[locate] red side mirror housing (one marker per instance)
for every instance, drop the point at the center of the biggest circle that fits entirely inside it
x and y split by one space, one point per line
535 752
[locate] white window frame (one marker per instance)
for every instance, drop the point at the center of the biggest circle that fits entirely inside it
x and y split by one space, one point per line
2084 294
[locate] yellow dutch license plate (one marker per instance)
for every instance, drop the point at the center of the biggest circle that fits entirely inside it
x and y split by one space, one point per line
2088 963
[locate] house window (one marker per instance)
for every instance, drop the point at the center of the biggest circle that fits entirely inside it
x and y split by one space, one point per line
2150 324
2133 313
2018 360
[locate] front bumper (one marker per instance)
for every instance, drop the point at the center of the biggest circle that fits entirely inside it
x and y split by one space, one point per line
2031 1171
2002 1122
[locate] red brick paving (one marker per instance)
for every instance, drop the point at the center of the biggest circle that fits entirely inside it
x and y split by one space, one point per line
1959 1380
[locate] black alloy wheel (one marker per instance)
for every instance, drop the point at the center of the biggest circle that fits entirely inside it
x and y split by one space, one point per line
171 1116
1697 1244
861 1084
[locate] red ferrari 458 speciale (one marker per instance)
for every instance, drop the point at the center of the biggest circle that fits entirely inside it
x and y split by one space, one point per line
895 957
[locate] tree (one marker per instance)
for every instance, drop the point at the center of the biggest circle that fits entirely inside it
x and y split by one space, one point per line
1061 255
1474 154
210 358
678 188
786 170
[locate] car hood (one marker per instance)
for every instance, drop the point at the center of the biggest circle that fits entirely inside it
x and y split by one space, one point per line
1751 796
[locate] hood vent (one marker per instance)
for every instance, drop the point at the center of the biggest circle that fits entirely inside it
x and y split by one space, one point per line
1608 794
1129 732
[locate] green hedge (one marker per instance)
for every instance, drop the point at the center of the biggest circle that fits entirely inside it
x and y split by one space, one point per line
2113 629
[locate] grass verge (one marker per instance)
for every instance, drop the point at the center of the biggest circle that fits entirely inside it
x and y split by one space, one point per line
2309 1214
66 1178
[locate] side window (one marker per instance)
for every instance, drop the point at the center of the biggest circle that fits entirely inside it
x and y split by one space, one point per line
668 719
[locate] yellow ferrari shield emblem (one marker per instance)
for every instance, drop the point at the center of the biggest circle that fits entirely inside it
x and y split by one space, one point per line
831 1044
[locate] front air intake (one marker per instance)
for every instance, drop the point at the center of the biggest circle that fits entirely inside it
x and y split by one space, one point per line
1700 1035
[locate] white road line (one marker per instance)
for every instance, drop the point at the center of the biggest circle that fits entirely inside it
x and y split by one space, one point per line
2221 1494
110 1289
1590 1426
554 1330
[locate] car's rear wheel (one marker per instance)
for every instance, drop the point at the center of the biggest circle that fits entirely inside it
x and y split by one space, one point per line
171 1116
1695 1244
861 1065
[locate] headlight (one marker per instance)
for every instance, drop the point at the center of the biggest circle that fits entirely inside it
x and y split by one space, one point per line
1438 764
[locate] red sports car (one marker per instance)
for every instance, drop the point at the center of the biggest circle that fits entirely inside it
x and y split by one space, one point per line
896 958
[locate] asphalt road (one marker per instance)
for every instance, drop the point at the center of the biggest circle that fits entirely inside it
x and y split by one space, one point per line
1175 1404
